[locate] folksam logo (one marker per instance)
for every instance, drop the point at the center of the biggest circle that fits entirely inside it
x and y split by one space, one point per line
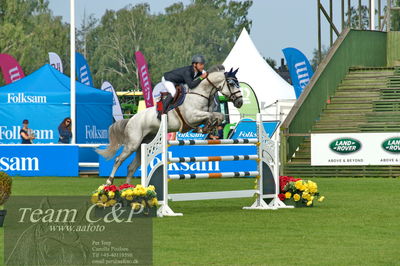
14 74
392 145
186 167
302 74
345 145
12 133
22 98
190 135
247 135
19 164
91 132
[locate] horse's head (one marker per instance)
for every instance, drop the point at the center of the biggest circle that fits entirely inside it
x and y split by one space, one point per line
227 84
232 88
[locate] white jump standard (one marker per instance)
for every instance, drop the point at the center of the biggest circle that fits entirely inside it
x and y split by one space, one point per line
267 174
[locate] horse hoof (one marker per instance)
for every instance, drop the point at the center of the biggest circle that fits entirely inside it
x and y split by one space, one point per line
108 182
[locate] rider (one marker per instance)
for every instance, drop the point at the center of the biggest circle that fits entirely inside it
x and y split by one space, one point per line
191 75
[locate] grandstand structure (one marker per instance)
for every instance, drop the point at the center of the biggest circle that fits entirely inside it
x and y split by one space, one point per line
356 88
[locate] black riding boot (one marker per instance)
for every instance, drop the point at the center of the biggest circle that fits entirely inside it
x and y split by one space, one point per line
166 103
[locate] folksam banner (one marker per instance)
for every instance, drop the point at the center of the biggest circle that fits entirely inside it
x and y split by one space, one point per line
39 160
55 61
145 81
247 129
117 112
250 107
193 167
299 68
83 71
11 69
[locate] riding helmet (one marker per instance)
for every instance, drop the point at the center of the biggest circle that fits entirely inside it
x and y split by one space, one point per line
198 59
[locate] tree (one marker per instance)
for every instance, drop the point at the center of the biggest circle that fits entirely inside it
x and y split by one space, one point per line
395 17
271 62
28 32
112 45
315 61
355 18
167 40
87 25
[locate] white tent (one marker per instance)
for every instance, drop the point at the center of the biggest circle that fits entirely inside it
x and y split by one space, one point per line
268 86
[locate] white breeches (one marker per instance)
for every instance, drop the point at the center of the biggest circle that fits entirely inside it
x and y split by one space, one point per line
163 86
169 86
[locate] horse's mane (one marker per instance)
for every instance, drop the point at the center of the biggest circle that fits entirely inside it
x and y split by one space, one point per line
216 68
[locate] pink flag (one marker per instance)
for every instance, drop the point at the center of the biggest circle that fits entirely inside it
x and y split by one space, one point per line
12 71
145 81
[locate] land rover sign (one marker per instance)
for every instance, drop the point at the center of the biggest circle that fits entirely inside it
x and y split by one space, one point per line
345 145
344 149
392 145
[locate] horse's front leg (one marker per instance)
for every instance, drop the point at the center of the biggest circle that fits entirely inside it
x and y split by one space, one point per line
218 117
209 119
198 117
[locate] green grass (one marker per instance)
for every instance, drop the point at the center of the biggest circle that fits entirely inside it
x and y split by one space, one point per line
358 224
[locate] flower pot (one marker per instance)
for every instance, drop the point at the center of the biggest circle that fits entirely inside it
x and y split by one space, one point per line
2 217
296 204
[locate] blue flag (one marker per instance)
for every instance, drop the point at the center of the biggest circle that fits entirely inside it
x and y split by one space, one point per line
82 70
299 68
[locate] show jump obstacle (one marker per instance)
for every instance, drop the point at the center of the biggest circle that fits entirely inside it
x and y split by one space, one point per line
267 173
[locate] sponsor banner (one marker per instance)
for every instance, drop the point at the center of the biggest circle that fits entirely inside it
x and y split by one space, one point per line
55 61
355 149
11 69
70 230
117 112
93 123
82 70
299 68
39 160
192 168
250 102
190 135
43 121
145 81
247 129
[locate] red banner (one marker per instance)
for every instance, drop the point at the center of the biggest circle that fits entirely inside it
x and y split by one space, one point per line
145 81
11 69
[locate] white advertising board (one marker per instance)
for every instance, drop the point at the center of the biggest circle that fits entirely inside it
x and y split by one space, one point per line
355 149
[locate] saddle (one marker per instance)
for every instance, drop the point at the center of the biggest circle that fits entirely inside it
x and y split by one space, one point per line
173 103
179 98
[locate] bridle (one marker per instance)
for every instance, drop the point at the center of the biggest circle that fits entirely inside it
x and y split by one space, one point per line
232 97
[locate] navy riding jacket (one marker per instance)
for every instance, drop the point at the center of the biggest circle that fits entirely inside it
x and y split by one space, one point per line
184 75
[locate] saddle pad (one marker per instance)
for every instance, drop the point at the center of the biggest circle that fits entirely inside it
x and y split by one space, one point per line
179 101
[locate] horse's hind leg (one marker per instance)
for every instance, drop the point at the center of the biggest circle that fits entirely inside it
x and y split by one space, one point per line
134 165
126 152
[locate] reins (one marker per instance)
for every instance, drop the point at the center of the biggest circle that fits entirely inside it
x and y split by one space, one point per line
212 92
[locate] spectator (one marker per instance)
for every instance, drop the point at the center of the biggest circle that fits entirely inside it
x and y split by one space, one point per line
217 134
26 133
220 129
212 136
64 130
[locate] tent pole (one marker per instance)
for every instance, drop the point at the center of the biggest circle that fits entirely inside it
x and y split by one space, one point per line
72 76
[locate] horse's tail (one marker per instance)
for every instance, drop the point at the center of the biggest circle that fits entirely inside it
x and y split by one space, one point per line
116 135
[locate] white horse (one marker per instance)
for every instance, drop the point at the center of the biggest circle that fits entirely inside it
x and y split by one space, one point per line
142 127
